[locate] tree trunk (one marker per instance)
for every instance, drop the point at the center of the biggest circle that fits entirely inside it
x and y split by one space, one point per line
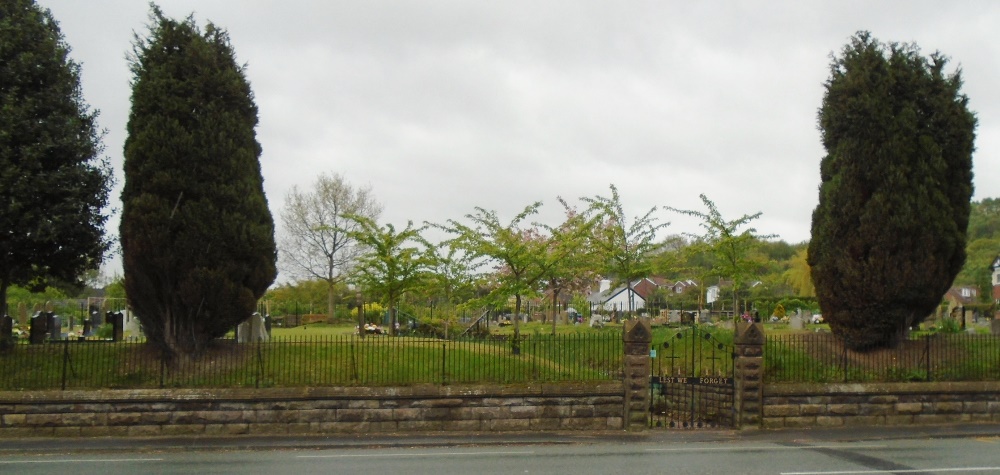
331 301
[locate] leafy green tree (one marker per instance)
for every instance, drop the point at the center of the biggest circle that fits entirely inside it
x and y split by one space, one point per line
799 275
733 251
53 184
196 233
451 278
984 219
569 258
625 249
516 249
395 263
317 240
889 233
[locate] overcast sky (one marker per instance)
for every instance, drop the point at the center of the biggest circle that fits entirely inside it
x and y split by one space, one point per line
443 106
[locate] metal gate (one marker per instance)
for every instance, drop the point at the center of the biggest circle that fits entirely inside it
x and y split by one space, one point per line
691 385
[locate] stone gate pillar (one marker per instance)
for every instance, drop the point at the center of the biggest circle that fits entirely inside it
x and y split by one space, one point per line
748 372
637 337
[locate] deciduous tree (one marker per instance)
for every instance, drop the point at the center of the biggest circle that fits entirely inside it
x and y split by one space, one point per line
625 249
394 262
732 248
317 240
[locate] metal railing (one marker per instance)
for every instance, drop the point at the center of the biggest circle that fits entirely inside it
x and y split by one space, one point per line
822 358
315 361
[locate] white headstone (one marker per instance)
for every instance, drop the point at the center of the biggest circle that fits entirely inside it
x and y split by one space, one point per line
796 322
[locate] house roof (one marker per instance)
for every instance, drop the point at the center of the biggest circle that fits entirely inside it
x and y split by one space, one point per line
602 297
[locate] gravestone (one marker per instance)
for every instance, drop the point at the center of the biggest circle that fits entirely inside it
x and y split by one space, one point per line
7 333
96 320
117 326
252 329
38 328
267 324
796 322
88 328
706 316
995 327
132 328
675 316
55 326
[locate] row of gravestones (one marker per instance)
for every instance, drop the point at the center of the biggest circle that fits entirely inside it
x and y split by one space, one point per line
48 326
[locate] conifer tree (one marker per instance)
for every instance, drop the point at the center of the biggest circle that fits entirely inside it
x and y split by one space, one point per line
889 233
53 184
197 235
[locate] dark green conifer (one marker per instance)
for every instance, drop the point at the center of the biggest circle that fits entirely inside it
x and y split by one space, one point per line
54 185
888 235
197 235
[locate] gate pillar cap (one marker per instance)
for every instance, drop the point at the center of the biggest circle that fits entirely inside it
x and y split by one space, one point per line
749 334
638 331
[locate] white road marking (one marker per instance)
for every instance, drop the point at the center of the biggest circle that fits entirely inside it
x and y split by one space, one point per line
11 462
915 470
766 448
439 454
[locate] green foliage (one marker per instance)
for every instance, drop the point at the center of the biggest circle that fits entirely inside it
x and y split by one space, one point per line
196 233
516 249
733 251
779 311
53 184
889 233
625 249
982 248
396 262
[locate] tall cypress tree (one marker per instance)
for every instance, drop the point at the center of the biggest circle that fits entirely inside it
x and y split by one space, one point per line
53 184
888 235
197 235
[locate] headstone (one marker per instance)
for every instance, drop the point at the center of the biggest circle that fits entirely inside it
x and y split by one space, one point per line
88 327
117 326
96 320
242 332
38 328
995 327
267 324
257 330
132 328
675 316
796 322
55 326
706 316
6 327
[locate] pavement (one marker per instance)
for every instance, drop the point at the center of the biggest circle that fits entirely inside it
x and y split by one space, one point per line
23 446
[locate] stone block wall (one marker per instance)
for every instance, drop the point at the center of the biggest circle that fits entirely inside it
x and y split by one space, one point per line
472 408
883 404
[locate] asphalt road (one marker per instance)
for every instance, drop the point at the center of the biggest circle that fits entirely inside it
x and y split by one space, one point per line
938 450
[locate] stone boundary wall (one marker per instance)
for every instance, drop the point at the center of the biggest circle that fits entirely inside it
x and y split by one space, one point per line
881 404
173 412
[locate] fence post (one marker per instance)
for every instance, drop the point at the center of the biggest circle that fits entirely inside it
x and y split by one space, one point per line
65 362
637 337
748 371
444 359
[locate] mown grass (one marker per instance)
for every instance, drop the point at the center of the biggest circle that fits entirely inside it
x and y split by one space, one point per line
821 358
328 360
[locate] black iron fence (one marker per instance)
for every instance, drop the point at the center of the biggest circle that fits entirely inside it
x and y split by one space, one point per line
822 358
315 361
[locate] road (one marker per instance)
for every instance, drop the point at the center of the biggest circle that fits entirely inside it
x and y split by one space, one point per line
788 453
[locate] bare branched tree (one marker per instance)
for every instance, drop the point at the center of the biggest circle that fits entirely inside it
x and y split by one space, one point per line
316 241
